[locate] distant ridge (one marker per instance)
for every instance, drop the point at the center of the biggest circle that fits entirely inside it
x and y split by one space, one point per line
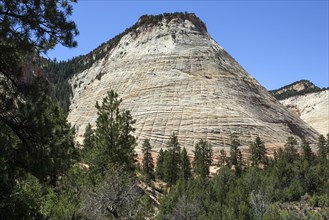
300 87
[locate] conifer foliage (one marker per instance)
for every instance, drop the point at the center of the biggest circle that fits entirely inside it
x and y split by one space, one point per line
172 161
36 141
322 148
114 141
202 158
148 165
235 153
186 172
160 169
258 152
88 137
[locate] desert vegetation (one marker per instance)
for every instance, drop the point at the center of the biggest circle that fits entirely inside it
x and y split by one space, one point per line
289 90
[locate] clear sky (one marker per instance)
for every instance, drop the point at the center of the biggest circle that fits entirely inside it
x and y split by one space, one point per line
277 42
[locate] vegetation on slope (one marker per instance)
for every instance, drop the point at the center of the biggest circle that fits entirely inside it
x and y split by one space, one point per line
44 176
292 89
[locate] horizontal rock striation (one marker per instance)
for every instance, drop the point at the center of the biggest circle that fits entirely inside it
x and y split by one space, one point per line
175 78
313 108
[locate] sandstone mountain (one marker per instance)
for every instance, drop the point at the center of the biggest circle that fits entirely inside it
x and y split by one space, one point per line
313 108
175 78
308 101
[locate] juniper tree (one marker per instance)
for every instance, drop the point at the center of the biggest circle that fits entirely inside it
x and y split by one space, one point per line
117 196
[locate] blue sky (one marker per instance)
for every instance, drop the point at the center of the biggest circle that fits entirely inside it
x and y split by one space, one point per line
277 42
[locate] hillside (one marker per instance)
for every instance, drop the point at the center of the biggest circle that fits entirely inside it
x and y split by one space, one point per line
301 87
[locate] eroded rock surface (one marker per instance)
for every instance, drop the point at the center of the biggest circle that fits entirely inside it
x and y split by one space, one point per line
313 108
175 78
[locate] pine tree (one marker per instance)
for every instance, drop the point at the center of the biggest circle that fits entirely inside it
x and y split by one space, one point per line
327 145
322 148
234 150
36 141
222 158
307 151
202 158
113 136
160 165
88 151
88 137
46 146
185 166
172 161
235 155
290 150
257 152
148 165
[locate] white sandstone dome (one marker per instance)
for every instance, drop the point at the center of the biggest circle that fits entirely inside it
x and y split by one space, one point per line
174 77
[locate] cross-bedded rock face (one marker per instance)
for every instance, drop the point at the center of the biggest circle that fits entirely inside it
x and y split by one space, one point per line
313 108
175 78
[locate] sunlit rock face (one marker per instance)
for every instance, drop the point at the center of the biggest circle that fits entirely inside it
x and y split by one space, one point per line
174 77
313 108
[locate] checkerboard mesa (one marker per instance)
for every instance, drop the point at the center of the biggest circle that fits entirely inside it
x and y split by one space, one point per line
175 78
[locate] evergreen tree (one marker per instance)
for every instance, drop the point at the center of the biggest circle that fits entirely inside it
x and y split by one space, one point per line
148 165
88 137
327 144
185 166
223 160
307 151
172 161
46 146
322 148
234 150
240 160
202 158
113 136
40 149
36 141
160 165
290 150
235 154
257 152
88 151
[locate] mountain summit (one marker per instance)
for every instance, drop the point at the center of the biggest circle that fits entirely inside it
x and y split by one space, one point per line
175 78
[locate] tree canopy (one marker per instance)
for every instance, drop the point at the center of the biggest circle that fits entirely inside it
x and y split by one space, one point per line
114 141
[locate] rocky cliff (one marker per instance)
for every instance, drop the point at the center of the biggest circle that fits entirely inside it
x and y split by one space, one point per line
313 108
175 78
